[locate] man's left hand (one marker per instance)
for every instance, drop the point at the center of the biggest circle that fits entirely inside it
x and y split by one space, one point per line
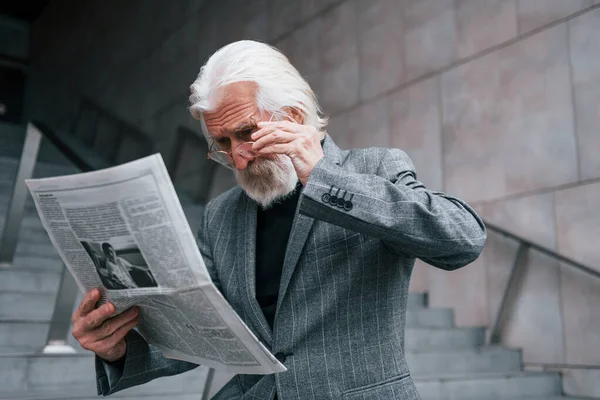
300 143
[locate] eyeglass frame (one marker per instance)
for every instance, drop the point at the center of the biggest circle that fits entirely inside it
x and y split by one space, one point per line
229 154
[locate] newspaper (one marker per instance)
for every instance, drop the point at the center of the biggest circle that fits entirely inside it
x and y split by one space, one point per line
123 229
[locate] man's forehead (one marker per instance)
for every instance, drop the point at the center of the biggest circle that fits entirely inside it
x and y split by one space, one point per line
230 122
236 107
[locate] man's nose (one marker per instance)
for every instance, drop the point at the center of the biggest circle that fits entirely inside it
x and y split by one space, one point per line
240 161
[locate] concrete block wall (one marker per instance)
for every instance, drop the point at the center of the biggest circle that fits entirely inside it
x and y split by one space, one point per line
496 101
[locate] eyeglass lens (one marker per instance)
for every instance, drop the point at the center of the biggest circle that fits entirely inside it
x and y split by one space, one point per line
245 150
222 158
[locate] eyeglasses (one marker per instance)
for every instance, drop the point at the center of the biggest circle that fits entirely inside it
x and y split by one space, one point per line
225 158
244 149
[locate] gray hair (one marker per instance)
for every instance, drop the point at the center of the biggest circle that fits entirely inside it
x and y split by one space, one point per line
279 84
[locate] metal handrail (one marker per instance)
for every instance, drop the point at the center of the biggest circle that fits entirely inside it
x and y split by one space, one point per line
16 204
545 250
558 366
103 115
515 281
76 152
511 292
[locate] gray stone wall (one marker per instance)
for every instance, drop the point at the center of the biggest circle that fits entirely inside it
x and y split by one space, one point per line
496 101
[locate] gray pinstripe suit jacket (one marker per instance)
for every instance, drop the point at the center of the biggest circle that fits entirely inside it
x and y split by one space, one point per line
339 324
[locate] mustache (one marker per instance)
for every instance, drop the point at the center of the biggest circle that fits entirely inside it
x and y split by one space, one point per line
267 180
266 168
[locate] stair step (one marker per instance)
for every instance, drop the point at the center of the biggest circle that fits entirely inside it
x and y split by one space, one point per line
22 337
6 185
430 318
33 240
417 301
490 386
29 221
443 339
25 247
12 349
23 279
18 306
467 361
34 236
42 169
39 262
41 374
29 205
12 148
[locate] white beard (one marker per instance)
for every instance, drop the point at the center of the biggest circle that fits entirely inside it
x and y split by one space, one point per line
268 180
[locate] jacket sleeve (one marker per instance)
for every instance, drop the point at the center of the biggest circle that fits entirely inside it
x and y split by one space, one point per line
394 206
144 362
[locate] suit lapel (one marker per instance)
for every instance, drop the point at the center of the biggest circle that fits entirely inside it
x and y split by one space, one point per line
246 259
301 229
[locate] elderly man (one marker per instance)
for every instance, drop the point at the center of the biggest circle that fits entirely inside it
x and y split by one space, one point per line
314 249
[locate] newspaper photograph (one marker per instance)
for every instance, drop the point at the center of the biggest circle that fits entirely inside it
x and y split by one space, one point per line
122 229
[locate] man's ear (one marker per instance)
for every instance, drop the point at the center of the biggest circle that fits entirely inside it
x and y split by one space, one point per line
295 113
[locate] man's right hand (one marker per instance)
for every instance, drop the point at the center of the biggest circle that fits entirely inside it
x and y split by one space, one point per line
96 330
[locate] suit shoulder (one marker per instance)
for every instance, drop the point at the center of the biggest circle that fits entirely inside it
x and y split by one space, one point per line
398 157
369 160
223 201
362 161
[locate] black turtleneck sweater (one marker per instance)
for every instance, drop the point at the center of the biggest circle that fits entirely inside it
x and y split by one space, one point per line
273 228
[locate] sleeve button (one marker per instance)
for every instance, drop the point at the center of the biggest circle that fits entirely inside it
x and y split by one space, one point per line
348 205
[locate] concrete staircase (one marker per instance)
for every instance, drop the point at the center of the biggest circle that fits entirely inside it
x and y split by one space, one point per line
446 362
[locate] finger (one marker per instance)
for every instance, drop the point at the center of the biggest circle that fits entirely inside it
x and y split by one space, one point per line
262 132
98 316
88 303
111 325
112 347
120 333
279 148
275 137
266 127
285 125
